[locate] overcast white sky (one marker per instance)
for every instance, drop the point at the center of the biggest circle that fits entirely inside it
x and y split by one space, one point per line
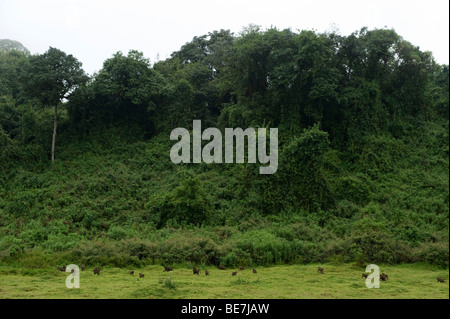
92 30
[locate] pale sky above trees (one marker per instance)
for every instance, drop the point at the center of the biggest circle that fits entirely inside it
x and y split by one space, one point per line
93 30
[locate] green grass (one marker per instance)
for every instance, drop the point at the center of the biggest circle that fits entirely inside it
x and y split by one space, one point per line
408 281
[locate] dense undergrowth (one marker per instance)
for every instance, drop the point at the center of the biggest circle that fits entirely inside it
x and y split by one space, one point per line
105 205
363 156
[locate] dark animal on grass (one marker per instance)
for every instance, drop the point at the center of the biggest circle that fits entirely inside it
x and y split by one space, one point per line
141 275
241 268
222 267
234 273
383 277
365 275
131 272
168 268
320 269
254 270
96 271
83 267
206 273
440 279
196 271
63 268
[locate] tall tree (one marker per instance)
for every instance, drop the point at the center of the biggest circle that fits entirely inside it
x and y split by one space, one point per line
52 77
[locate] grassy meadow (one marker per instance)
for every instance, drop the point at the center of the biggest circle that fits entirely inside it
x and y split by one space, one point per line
276 282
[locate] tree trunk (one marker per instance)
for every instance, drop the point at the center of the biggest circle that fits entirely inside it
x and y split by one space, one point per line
54 132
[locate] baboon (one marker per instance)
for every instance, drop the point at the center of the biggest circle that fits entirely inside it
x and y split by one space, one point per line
383 277
234 273
365 275
96 271
440 279
141 275
168 268
320 269
254 270
241 268
83 267
195 270
206 272
222 267
131 272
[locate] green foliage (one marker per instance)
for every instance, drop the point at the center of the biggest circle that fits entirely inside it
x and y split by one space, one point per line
12 68
363 154
52 76
300 182
169 284
434 253
10 246
187 204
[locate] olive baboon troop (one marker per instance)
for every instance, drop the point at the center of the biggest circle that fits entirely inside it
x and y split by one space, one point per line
196 271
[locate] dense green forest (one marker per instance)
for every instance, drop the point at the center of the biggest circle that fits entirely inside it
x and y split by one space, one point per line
363 172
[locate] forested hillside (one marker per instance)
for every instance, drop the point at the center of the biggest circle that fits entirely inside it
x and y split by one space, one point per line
86 175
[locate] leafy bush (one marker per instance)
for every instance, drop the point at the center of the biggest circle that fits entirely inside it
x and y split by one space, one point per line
185 246
433 253
187 204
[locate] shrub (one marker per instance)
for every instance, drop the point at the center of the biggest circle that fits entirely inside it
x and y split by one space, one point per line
433 253
185 246
10 246
263 247
142 249
187 204
119 232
